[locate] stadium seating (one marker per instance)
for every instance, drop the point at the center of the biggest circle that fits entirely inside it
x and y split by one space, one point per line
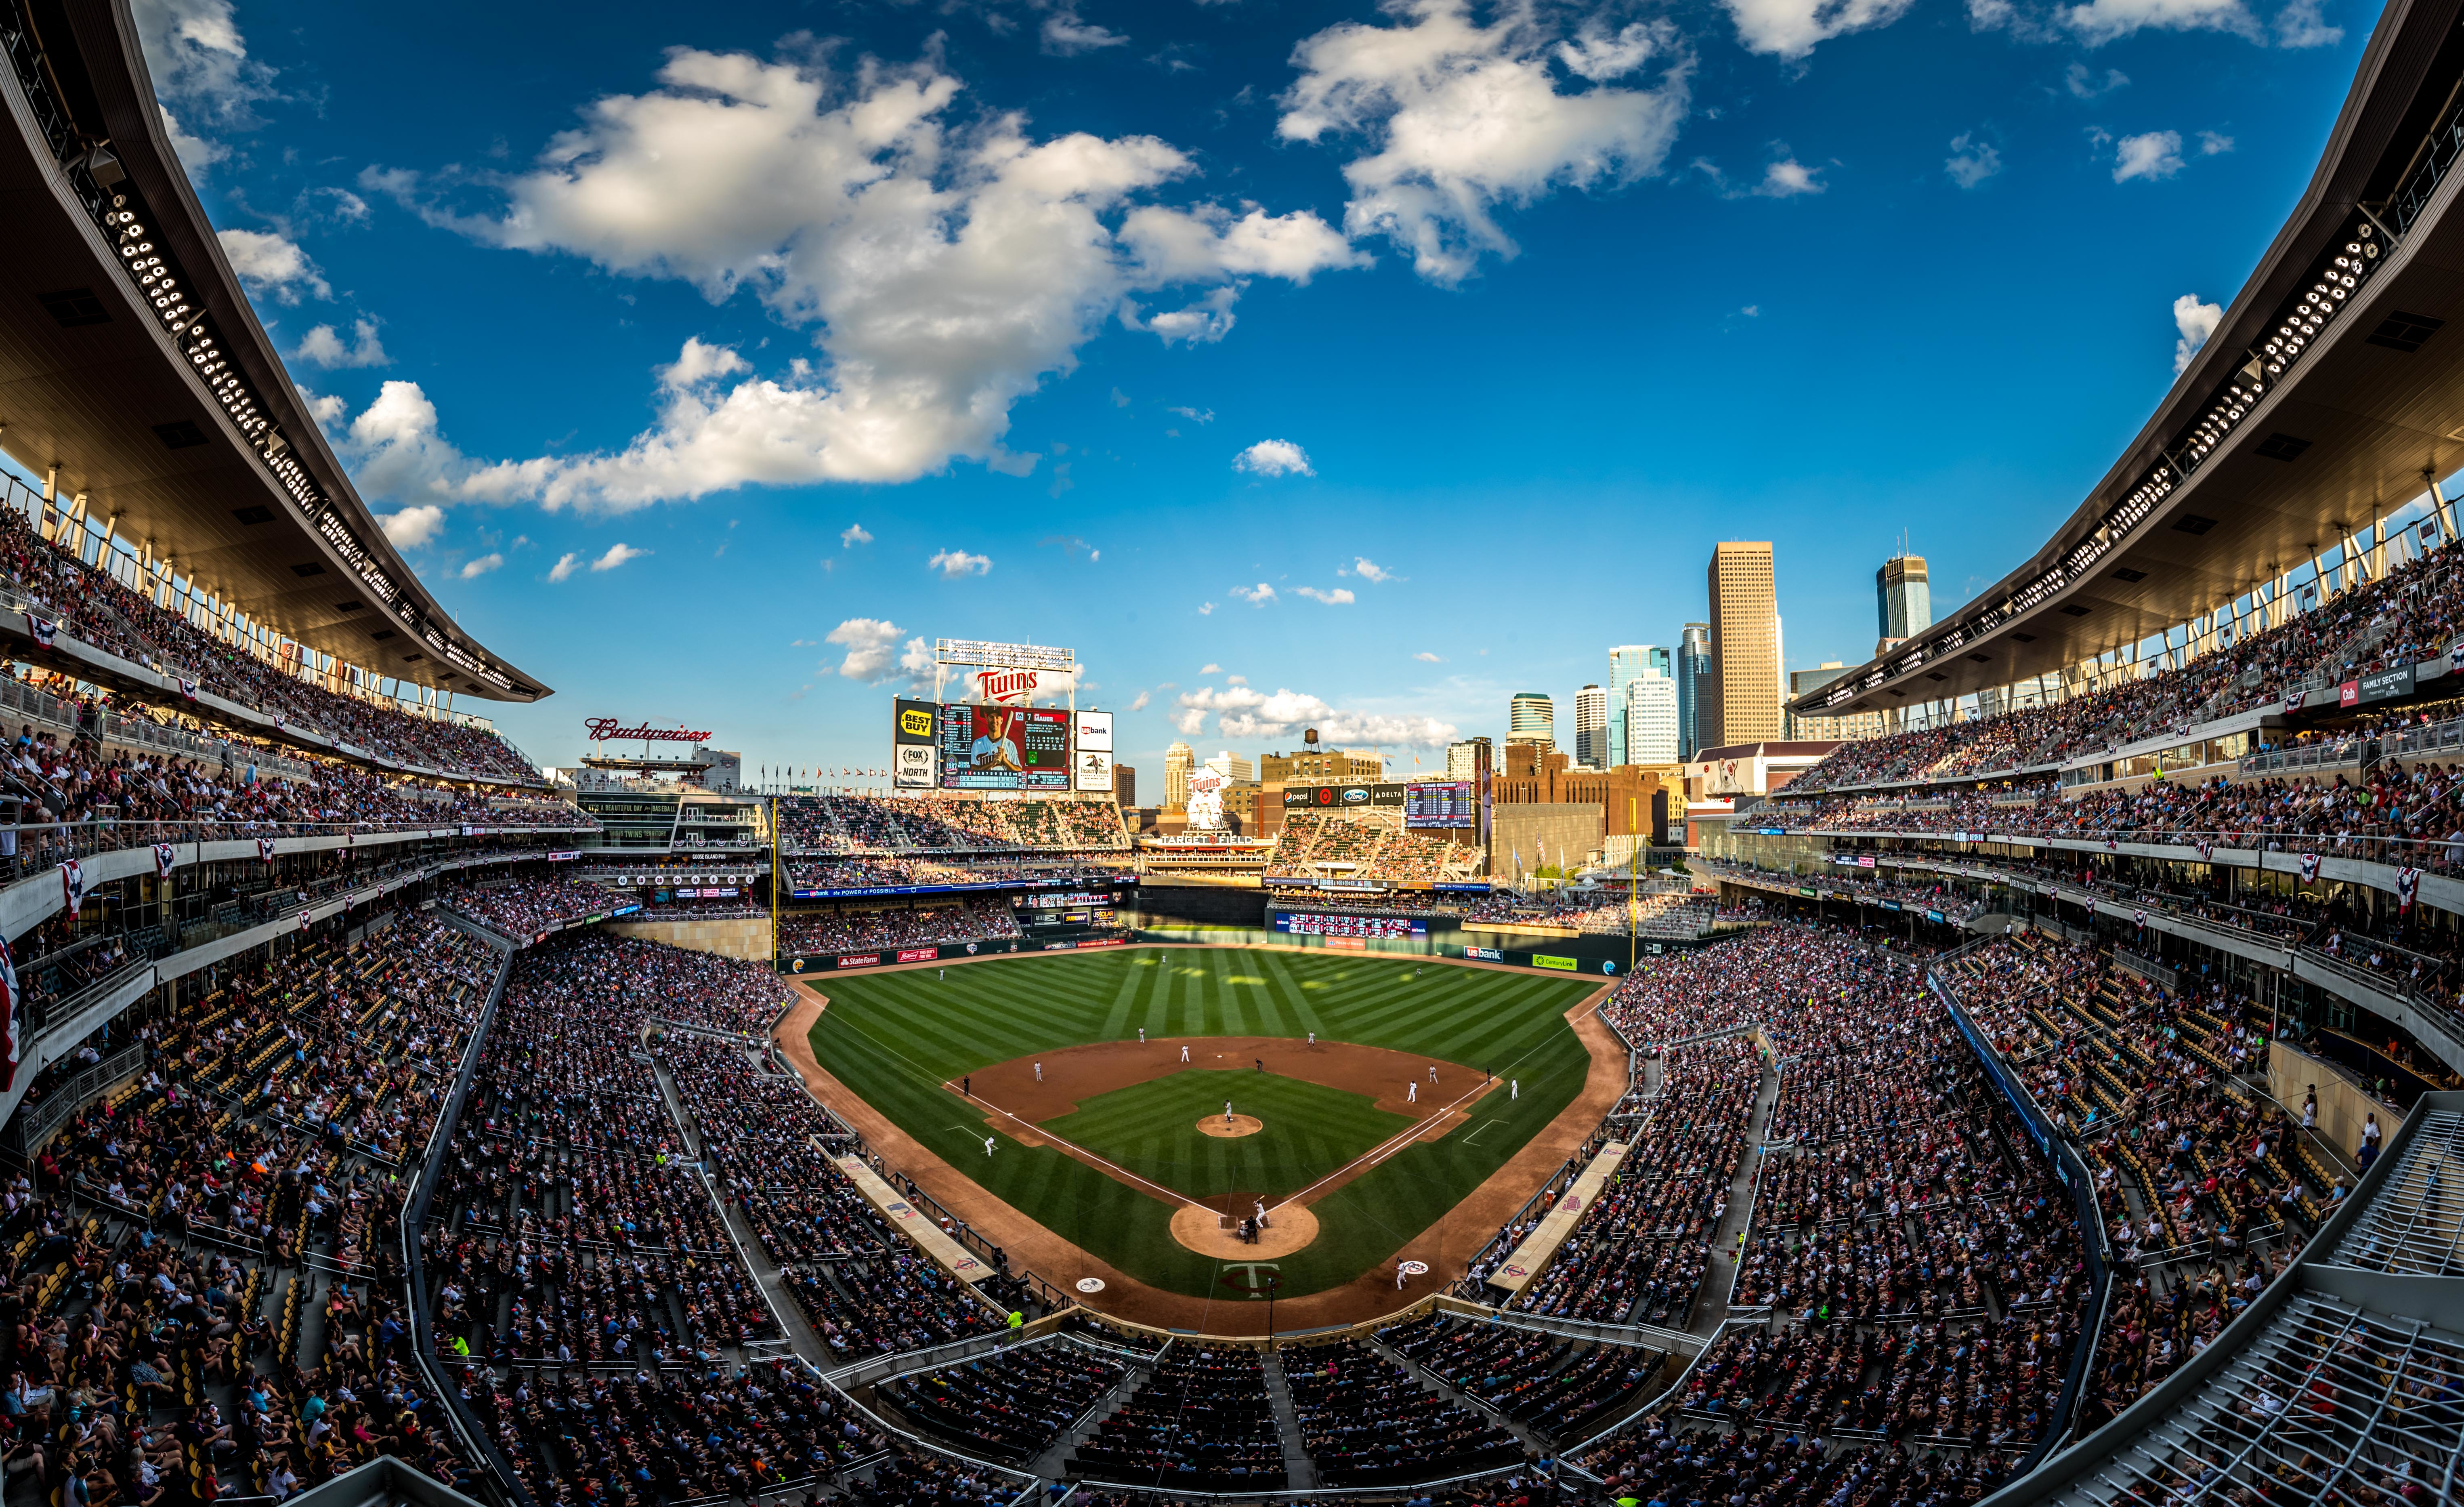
97 609
922 926
850 824
1200 1422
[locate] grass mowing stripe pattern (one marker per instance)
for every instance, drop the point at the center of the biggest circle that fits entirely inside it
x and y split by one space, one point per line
895 1037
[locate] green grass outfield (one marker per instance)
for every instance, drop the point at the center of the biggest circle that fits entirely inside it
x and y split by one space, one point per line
1151 1129
896 1037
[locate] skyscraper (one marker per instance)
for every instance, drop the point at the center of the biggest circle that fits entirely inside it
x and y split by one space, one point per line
1177 760
1744 707
1693 686
1651 732
1627 663
1903 602
1530 718
1233 766
1463 758
1592 727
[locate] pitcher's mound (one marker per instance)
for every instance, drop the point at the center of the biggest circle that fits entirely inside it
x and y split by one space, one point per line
1238 1126
1203 1230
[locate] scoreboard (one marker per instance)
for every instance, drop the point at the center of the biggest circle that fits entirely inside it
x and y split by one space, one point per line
1004 748
1441 803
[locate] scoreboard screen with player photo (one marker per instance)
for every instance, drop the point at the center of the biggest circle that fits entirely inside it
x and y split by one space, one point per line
1004 748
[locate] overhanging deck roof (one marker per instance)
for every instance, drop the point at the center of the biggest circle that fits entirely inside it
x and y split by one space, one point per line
130 356
2290 427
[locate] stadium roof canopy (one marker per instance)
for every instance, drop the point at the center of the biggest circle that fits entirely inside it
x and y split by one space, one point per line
2334 383
129 357
2339 1384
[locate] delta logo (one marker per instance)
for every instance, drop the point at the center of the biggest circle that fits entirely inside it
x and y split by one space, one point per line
916 723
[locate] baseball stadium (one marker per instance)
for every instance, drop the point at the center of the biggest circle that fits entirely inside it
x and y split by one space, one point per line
2022 1067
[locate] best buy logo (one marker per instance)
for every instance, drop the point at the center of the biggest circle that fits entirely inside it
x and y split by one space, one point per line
916 724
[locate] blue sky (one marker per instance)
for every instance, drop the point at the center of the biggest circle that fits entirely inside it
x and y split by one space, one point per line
1340 365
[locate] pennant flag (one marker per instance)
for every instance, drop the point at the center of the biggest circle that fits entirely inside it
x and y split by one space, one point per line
2406 882
305 921
43 631
72 885
164 857
2309 867
9 1034
265 850
188 688
2140 917
2207 849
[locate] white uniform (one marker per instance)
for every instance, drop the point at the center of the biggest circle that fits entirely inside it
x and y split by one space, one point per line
988 1145
1411 1093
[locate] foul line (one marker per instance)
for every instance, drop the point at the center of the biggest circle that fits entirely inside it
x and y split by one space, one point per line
1390 1144
953 1086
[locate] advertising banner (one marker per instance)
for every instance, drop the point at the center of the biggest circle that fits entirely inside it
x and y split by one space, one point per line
1091 759
1311 925
2387 684
913 733
1348 797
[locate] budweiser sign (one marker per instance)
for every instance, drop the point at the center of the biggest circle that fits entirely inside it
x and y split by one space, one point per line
1003 685
607 729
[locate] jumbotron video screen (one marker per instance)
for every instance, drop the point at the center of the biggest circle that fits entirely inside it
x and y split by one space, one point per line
1004 748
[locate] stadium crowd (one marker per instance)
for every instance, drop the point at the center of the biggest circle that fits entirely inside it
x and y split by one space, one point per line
922 926
828 824
87 604
526 910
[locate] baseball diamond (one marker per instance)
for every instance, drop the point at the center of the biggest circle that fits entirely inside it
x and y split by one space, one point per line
1392 1128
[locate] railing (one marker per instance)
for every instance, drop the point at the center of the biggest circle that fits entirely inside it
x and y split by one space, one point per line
2437 737
2344 753
46 1014
33 1122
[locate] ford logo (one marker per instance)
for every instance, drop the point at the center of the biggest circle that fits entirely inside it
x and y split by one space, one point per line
1354 796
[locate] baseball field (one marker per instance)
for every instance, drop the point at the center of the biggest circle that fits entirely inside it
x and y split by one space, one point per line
1425 1079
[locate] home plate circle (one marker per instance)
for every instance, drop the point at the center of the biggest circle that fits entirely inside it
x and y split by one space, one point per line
1090 1285
1413 1268
1230 1127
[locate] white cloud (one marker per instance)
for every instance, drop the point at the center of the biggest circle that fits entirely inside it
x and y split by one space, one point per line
1792 28
1206 609
1971 161
2196 322
958 563
1787 178
195 152
412 525
199 61
869 643
565 568
1210 669
2154 155
2214 144
481 566
1191 722
1065 35
1427 658
2085 84
1242 712
323 347
272 265
617 555
1197 415
325 409
1274 457
1202 323
1236 679
1258 595
854 534
1200 244
1459 119
2300 25
1368 570
1340 596
2102 21
1139 704
947 267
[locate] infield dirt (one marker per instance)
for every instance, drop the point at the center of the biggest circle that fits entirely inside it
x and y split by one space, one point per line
1447 1246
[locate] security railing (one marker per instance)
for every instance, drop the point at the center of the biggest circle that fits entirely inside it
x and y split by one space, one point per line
2309 758
34 1122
